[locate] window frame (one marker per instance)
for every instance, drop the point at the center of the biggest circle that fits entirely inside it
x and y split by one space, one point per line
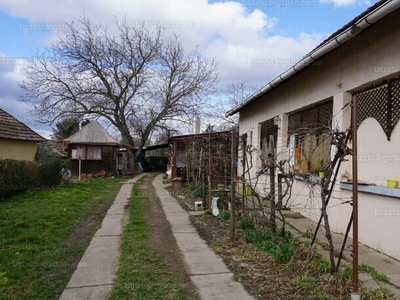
307 140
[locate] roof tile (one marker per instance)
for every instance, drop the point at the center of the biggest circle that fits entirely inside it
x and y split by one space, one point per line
11 128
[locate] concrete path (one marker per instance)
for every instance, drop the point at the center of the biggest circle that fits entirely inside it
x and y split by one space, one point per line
94 277
206 269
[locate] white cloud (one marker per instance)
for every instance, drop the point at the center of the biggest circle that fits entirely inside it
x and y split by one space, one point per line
241 40
344 3
224 30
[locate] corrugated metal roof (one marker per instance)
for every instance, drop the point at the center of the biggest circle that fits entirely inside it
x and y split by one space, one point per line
11 128
199 136
92 133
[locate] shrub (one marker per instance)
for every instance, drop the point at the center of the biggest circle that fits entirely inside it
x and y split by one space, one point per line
245 223
267 245
225 215
17 175
258 236
283 252
321 263
284 235
196 190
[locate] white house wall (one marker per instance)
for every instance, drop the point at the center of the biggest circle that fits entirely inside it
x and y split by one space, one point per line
368 58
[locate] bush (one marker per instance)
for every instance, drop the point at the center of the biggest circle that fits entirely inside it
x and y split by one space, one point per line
225 215
196 190
17 175
284 235
258 236
280 247
245 223
282 252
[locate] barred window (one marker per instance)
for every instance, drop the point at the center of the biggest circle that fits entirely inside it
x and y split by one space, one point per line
268 129
310 138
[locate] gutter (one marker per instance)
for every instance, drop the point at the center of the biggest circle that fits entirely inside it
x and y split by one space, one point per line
336 41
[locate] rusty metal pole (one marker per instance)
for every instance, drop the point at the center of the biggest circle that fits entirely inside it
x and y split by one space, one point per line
209 170
355 295
280 200
233 184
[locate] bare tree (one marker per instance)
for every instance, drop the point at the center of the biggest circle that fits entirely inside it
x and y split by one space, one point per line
134 78
232 96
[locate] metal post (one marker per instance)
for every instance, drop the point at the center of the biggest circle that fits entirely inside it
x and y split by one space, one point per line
79 168
271 158
244 155
209 169
344 242
280 198
355 295
233 184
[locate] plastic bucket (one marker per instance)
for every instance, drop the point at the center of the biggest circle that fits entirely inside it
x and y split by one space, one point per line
392 183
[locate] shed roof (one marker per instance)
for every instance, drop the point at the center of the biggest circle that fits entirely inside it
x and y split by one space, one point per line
199 136
49 149
11 128
92 133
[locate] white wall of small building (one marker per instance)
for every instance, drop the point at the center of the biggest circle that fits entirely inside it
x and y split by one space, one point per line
368 58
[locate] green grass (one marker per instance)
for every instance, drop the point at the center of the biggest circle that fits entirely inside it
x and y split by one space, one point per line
216 244
380 293
304 282
373 273
35 258
142 273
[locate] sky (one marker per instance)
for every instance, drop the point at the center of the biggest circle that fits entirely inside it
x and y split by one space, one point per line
253 41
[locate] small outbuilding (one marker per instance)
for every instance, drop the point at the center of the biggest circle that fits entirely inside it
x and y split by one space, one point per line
94 149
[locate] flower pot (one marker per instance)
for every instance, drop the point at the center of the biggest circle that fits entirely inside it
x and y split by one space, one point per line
392 183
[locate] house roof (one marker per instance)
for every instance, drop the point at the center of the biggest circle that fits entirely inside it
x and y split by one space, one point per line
49 149
11 128
373 14
92 133
195 136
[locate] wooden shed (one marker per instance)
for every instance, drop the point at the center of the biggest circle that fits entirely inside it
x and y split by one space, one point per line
95 148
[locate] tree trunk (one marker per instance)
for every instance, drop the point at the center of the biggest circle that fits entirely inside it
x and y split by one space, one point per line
328 234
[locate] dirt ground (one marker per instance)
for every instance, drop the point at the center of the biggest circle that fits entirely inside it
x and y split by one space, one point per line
82 234
163 240
260 275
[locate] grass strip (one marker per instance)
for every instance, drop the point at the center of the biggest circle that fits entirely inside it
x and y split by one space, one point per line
142 272
43 235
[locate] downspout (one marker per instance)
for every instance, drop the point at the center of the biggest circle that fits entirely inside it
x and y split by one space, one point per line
333 43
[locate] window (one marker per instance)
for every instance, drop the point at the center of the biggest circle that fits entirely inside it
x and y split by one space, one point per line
310 139
94 152
268 130
250 139
109 153
78 152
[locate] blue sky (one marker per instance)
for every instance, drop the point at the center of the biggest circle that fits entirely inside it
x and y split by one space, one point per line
235 33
